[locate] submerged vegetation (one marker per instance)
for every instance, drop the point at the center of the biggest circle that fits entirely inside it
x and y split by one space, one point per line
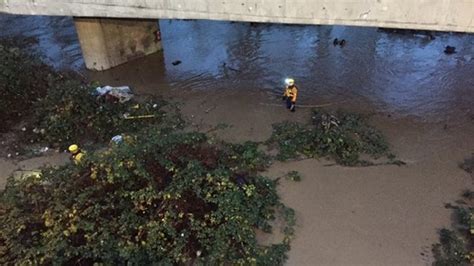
456 247
293 176
451 250
341 136
468 164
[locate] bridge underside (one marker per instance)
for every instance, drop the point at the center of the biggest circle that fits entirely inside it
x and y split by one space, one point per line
440 15
110 29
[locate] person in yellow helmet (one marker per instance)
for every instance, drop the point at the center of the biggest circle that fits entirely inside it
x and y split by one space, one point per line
76 153
290 94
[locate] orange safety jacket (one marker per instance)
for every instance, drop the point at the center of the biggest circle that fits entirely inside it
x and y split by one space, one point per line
291 93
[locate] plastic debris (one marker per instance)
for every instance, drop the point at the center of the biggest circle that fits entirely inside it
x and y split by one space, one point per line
128 116
117 139
23 174
122 94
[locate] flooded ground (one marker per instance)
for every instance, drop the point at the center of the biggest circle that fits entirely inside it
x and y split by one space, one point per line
232 73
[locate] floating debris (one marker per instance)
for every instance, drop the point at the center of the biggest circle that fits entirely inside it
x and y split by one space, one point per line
450 50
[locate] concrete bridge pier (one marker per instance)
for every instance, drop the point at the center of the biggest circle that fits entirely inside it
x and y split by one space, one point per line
109 42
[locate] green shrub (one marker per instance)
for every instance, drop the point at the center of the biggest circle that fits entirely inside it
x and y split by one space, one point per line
24 79
293 176
340 136
451 251
71 112
158 197
453 248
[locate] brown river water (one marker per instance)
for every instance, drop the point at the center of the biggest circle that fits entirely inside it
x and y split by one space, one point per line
421 98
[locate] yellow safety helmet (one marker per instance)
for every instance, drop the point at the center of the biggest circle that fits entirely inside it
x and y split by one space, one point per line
73 148
290 82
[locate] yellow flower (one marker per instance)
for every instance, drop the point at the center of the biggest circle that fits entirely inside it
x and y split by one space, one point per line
72 228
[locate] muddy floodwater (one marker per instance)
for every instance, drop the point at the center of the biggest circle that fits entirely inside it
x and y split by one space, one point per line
420 97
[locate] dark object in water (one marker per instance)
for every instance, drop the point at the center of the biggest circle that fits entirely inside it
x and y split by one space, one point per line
450 50
468 164
177 62
339 42
224 65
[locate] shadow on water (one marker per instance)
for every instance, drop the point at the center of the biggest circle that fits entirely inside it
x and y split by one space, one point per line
405 74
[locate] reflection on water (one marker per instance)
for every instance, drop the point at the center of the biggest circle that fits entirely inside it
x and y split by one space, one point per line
406 74
56 36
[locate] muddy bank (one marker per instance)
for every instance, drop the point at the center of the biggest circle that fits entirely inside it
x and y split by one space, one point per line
9 166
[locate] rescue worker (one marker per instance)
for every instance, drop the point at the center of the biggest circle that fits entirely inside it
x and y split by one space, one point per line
290 94
76 154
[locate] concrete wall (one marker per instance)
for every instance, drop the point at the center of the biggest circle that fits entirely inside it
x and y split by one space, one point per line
444 15
109 42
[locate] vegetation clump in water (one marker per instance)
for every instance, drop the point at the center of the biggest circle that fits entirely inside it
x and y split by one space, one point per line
456 246
451 251
341 136
468 164
293 176
157 197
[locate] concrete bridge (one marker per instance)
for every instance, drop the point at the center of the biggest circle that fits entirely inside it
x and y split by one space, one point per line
112 32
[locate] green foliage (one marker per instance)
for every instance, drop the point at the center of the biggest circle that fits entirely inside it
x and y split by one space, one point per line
451 251
23 80
65 109
341 136
293 176
453 248
71 112
158 197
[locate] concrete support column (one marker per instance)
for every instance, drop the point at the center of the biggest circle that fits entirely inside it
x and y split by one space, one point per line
107 42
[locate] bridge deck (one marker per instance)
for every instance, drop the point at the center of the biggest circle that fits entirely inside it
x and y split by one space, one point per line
442 15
